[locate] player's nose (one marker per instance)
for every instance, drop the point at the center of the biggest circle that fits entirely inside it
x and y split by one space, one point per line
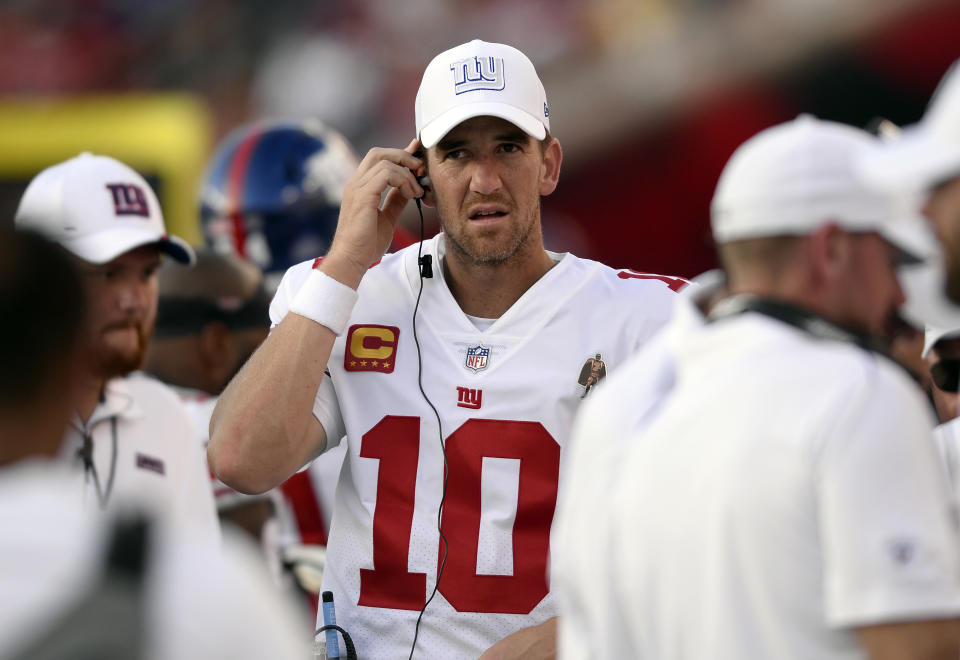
484 176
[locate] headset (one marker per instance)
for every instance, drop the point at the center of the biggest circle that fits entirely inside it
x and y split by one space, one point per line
426 271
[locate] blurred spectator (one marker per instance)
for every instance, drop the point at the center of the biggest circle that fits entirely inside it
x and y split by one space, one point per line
780 500
210 320
130 441
272 194
75 583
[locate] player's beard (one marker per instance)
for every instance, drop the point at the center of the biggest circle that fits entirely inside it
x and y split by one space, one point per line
110 361
478 251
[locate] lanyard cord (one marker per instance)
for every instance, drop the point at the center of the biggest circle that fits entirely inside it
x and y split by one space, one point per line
85 453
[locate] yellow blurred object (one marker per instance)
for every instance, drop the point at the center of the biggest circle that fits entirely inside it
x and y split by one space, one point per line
165 137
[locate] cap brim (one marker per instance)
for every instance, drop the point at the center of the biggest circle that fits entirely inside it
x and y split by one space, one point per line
915 160
925 291
443 124
913 238
101 247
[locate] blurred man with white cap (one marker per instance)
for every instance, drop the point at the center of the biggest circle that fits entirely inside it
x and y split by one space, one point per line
131 440
78 583
925 158
453 375
780 501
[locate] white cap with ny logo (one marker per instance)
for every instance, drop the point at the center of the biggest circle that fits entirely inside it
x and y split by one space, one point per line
97 208
480 79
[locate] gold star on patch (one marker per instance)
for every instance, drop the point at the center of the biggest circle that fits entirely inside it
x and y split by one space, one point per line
363 363
375 363
386 365
353 363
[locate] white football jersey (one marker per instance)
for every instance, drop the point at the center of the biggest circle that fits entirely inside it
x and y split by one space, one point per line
504 398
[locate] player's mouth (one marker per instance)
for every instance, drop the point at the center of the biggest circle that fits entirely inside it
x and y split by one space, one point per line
487 213
122 326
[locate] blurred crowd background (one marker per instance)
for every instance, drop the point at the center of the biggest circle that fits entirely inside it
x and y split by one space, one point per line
648 97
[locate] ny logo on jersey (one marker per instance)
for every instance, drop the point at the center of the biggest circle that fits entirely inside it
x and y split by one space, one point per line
476 73
129 199
469 398
371 348
478 358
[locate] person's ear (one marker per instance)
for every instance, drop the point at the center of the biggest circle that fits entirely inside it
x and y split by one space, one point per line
423 178
830 252
552 157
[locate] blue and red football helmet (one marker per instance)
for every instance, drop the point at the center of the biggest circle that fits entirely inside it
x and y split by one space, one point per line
272 192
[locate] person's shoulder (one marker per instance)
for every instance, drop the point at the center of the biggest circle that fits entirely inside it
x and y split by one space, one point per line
852 375
155 397
145 386
635 293
629 281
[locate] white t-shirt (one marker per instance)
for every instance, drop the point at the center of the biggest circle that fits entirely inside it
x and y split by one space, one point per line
622 405
200 601
506 397
144 454
785 493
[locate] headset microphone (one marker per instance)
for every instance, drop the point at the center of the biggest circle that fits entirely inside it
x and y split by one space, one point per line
426 261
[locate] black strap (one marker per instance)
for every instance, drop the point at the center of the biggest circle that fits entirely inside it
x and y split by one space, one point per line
797 317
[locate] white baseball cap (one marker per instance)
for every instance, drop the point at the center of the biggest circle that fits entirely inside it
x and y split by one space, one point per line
928 152
97 208
478 79
794 177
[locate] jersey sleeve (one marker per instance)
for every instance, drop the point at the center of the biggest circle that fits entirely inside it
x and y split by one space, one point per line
326 408
292 280
889 537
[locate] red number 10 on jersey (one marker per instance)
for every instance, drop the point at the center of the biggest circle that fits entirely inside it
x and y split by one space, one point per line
395 441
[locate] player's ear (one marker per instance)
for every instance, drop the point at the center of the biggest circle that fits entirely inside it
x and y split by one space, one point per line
550 173
423 178
428 197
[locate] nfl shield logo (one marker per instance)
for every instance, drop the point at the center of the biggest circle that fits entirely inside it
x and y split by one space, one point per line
478 358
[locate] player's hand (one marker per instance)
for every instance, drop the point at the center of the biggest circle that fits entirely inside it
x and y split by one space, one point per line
534 643
365 229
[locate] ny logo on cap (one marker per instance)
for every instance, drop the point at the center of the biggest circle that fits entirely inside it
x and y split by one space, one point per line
129 199
475 73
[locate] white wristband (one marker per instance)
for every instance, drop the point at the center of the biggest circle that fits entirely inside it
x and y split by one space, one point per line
325 300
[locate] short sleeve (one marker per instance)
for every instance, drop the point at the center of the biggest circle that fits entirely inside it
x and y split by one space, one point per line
291 282
889 536
326 408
